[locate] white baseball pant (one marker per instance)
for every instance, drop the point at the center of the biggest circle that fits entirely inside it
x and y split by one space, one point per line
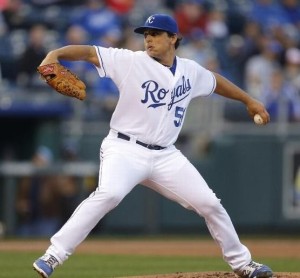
124 164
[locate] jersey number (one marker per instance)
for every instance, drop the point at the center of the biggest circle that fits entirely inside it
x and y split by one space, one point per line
179 114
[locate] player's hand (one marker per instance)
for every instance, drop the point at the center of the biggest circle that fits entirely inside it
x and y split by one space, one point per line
256 107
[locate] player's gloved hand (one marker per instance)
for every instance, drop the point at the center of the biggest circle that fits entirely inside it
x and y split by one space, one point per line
62 80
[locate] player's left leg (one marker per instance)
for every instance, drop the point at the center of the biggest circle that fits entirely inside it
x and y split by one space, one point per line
177 179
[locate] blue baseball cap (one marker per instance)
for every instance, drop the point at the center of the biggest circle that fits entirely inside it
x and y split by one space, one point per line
161 22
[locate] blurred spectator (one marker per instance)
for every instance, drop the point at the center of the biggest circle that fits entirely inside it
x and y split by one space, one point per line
3 27
68 186
102 24
37 196
233 66
75 34
132 40
216 26
45 202
217 31
3 4
281 98
191 16
53 2
268 13
292 10
44 2
251 34
292 67
15 14
259 68
32 57
121 7
142 9
69 150
199 48
105 96
171 4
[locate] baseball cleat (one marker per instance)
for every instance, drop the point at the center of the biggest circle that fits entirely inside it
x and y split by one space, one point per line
45 265
254 270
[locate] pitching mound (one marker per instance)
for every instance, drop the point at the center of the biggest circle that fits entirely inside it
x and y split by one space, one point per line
214 275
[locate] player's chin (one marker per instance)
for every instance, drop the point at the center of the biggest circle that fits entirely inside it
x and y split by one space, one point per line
151 52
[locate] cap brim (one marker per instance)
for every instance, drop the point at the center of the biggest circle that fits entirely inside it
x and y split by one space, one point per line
142 29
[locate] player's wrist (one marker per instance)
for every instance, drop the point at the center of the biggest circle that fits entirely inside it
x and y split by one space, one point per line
50 59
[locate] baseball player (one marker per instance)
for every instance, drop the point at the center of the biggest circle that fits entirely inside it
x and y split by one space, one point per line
156 87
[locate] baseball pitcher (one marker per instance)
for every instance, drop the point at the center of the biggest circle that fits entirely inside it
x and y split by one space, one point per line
156 87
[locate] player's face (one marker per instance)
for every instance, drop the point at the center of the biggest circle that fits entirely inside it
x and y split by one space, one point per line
158 44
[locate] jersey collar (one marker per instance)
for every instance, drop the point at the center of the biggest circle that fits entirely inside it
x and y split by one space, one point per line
172 68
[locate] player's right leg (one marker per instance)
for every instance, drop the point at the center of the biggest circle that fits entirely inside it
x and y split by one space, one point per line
120 170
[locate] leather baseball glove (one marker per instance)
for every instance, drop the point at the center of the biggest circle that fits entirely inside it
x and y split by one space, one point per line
62 80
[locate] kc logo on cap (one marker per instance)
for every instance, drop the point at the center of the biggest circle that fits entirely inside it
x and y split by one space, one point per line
150 19
161 22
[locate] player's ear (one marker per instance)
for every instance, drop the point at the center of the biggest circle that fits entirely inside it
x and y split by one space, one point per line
176 39
173 37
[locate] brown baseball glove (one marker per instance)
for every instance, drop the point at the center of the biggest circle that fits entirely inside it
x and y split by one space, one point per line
62 80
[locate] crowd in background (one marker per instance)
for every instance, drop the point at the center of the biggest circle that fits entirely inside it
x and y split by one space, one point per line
253 43
45 202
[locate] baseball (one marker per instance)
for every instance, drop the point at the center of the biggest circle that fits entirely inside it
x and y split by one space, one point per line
258 119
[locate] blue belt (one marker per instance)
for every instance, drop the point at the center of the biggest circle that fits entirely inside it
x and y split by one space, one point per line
148 146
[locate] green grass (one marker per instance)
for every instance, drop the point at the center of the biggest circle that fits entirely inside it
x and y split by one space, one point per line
19 264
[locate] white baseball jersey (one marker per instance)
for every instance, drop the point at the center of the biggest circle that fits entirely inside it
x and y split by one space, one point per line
159 98
151 109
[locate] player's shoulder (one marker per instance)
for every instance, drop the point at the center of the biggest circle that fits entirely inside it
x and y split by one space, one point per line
119 53
113 49
125 51
188 62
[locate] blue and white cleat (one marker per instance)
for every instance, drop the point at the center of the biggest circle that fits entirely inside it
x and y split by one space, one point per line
45 265
255 270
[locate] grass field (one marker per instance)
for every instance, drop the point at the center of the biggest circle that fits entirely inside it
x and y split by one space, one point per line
124 257
19 264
